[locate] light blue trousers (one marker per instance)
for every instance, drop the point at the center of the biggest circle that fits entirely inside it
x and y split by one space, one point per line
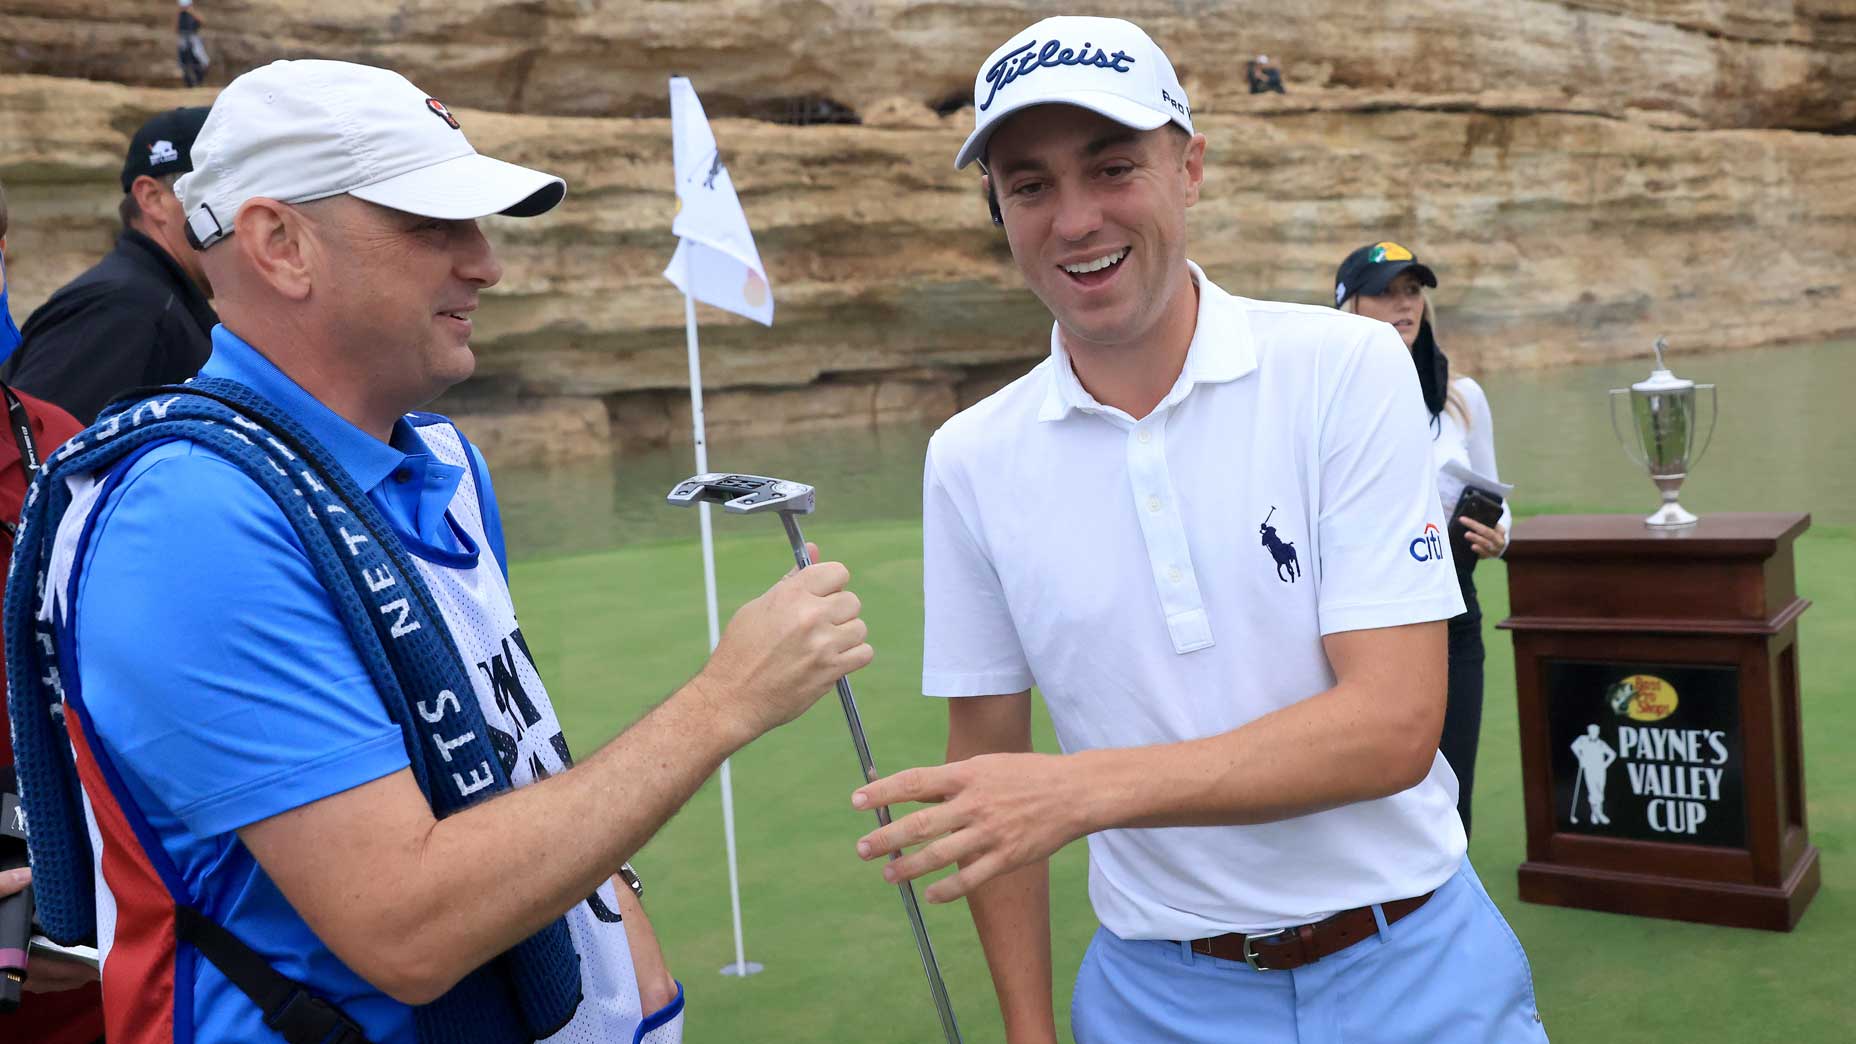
1450 973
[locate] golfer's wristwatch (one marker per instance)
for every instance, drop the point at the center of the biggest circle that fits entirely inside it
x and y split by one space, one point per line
630 877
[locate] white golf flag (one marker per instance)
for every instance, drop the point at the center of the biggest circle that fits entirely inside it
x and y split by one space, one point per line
723 266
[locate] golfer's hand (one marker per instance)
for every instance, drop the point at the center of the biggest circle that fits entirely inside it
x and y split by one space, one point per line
991 814
1486 541
45 974
783 650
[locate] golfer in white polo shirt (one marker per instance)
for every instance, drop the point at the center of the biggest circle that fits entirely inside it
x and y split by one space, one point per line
1206 528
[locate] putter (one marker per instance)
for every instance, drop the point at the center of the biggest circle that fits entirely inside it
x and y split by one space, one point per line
754 494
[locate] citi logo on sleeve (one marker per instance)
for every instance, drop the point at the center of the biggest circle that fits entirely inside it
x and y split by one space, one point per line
1429 546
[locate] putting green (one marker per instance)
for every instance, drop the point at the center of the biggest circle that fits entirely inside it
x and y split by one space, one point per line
616 631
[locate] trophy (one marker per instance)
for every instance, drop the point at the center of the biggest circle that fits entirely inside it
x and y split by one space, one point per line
1663 419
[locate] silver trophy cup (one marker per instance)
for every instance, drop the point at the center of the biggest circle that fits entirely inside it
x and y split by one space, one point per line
1664 420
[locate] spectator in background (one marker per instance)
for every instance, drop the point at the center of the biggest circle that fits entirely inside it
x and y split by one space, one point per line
140 316
1385 281
1263 75
62 1003
192 49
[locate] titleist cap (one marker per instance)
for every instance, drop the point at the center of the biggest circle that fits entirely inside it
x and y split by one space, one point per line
1106 65
296 131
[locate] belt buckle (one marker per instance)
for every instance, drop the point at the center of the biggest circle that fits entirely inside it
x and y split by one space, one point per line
1252 957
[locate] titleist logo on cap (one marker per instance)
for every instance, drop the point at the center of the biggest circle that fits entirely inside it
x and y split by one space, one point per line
1018 63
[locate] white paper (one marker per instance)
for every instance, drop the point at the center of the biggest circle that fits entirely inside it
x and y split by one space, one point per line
1468 477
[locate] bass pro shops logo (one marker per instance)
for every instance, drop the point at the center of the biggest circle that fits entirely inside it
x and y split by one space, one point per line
1642 697
1429 546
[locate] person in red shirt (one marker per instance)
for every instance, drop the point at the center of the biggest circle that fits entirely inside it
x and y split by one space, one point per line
63 1003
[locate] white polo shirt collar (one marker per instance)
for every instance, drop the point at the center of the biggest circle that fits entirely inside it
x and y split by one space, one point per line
1221 350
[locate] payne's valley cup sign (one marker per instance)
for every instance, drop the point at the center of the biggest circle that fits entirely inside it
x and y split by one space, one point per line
1647 752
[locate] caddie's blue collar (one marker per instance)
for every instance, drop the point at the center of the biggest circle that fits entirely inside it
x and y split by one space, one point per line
410 485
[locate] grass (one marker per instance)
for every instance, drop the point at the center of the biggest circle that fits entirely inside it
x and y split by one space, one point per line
616 631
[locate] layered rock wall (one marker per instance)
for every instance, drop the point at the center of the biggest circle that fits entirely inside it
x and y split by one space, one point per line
1583 176
1751 63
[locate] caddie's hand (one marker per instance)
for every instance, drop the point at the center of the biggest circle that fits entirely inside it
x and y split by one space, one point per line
657 988
1486 541
991 814
783 650
45 974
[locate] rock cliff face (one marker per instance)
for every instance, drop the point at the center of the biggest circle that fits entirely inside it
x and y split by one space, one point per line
1583 176
1751 63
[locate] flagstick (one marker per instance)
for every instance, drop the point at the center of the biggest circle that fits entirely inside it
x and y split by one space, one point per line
742 966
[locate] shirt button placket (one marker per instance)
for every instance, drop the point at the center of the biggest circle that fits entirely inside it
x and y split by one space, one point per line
1147 473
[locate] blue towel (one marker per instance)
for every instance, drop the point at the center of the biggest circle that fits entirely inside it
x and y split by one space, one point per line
527 993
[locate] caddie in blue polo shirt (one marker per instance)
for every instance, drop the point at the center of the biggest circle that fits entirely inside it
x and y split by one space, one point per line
324 796
1202 529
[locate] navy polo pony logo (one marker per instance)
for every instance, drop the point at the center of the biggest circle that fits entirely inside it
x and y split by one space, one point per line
1287 568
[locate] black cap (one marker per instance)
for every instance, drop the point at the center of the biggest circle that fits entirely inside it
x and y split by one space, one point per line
1370 269
162 144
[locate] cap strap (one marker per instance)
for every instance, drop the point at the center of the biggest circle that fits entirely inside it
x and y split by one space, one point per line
203 227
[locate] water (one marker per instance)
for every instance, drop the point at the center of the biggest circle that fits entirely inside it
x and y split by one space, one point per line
1785 442
864 475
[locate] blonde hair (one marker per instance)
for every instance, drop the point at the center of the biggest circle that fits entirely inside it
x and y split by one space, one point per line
1454 402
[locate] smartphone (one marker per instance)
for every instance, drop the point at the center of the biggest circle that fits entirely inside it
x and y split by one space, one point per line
41 947
1479 504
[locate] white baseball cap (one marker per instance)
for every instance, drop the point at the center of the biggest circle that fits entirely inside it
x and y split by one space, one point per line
295 131
1106 65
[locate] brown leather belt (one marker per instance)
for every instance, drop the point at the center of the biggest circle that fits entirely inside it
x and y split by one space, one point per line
1288 948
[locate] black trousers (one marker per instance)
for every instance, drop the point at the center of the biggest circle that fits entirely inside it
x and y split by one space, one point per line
1463 713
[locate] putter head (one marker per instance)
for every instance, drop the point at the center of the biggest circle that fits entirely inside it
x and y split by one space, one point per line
744 494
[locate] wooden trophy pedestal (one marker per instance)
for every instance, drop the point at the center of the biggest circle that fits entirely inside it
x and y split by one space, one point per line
1657 677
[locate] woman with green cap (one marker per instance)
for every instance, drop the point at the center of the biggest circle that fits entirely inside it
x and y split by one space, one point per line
1385 281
